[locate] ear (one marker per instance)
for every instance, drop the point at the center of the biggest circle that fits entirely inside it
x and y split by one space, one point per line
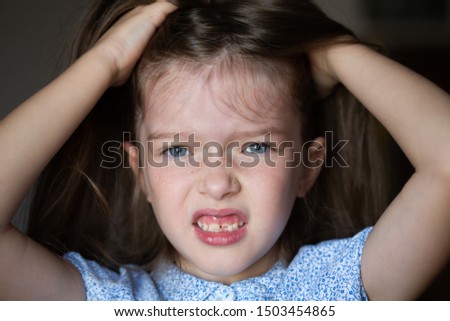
313 158
133 160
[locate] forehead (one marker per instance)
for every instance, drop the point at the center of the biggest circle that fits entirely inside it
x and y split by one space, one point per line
241 93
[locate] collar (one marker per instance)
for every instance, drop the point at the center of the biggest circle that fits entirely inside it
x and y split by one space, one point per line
174 284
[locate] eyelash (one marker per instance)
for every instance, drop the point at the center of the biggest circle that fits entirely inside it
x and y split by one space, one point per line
167 151
172 149
266 147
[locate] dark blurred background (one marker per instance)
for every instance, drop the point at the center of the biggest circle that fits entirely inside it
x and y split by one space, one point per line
33 35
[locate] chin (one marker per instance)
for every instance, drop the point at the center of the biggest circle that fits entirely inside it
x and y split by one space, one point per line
221 269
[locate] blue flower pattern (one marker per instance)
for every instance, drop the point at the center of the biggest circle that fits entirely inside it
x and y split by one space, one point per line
326 271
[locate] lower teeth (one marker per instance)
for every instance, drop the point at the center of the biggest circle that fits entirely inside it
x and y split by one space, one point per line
220 228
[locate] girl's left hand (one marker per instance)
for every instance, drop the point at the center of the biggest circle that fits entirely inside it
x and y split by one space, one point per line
323 76
321 68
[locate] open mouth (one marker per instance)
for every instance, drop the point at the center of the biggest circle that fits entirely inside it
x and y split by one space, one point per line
219 227
216 224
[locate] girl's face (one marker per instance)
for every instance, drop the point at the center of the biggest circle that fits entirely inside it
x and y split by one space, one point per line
217 169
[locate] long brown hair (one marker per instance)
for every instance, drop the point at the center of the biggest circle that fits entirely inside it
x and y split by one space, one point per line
81 206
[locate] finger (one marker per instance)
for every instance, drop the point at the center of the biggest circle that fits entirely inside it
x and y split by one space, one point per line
153 14
158 11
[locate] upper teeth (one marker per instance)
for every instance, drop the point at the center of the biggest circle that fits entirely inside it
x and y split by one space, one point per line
214 227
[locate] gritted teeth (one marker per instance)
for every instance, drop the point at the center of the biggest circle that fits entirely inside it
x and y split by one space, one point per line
216 228
229 223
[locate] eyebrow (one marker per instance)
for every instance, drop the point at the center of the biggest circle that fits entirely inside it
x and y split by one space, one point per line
161 135
239 134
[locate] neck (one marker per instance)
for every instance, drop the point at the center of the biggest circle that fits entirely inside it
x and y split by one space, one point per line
256 269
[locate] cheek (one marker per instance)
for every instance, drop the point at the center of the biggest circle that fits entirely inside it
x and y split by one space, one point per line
274 188
279 176
168 190
167 185
272 200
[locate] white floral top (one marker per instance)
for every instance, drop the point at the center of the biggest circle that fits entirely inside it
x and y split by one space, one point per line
327 271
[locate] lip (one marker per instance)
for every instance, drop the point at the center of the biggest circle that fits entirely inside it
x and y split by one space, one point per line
219 213
220 238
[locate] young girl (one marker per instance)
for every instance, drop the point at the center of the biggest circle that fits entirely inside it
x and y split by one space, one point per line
222 108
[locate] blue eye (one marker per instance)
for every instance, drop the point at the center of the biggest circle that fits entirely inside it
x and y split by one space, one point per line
256 148
177 151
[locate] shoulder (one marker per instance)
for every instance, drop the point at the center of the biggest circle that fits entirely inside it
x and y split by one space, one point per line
103 284
329 270
342 249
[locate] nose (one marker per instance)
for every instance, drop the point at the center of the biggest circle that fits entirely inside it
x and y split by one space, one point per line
218 183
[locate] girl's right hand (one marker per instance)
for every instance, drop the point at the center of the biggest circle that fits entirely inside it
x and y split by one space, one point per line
53 114
122 45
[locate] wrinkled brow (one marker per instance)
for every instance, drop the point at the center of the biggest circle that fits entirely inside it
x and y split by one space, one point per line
274 131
